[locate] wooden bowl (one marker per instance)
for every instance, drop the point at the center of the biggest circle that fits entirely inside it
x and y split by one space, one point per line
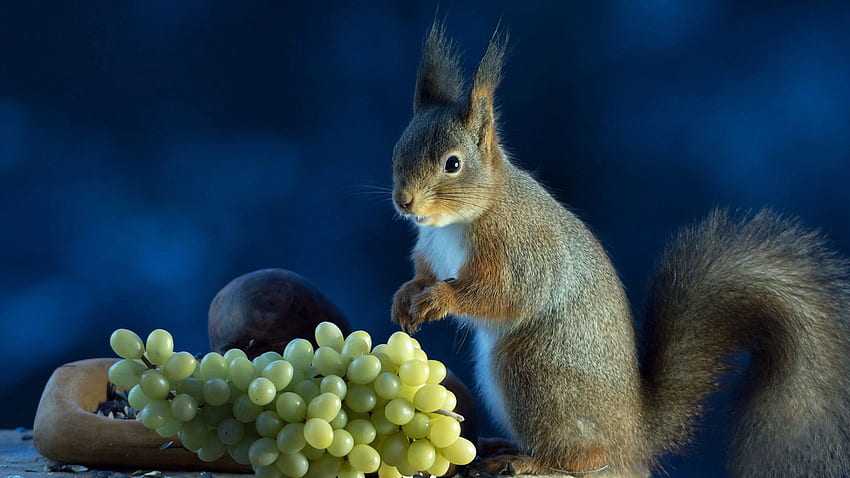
68 431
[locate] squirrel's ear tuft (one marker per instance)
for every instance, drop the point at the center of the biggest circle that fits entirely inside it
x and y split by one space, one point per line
439 81
479 114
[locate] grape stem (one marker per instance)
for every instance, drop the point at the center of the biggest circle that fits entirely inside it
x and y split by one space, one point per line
449 413
148 362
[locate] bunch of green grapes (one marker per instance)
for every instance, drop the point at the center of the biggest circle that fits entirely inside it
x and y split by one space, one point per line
343 409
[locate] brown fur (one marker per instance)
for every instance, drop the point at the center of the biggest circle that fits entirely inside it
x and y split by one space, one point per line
557 354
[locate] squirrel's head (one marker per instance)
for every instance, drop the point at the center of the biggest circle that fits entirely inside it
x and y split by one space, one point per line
447 161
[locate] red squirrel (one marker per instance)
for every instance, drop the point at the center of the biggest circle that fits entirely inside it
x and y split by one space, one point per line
556 351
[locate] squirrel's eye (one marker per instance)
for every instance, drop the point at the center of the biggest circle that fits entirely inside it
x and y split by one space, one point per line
452 164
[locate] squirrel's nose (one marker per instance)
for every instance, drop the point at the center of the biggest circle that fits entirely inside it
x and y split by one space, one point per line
404 201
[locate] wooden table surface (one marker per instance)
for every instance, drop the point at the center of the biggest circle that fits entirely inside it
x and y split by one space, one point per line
18 458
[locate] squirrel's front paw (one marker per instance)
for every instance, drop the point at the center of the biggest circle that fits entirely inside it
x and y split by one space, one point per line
402 302
433 303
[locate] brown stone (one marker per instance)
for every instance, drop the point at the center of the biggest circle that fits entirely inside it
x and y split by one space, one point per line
263 310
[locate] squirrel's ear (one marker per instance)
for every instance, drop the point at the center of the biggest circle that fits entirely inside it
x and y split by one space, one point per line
479 114
438 81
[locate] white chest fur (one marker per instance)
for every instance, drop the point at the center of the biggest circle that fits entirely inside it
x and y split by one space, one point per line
445 248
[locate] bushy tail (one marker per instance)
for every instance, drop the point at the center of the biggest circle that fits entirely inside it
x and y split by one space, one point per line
764 284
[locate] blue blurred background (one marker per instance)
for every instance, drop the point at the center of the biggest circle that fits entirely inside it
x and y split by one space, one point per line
152 151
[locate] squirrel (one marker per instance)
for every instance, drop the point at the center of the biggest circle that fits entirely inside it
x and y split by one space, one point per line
557 355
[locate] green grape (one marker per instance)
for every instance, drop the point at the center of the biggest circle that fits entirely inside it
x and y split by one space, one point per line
239 453
430 397
191 386
436 371
214 414
419 354
170 429
405 468
364 369
242 371
328 361
399 411
440 466
231 431
421 454
156 414
318 433
193 434
364 458
294 465
212 450
335 385
299 353
308 389
268 424
394 448
387 364
461 452
361 430
268 471
417 427
245 410
400 348
260 362
290 439
387 386
329 335
413 372
216 391
154 384
342 443
381 424
262 391
159 346
347 471
213 366
408 391
179 366
272 356
416 344
444 431
263 452
451 401
126 344
311 453
291 407
137 398
126 373
354 347
360 398
340 420
233 353
379 349
363 335
280 372
324 406
325 466
184 407
387 471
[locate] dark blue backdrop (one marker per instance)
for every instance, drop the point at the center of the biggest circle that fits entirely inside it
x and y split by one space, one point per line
152 151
